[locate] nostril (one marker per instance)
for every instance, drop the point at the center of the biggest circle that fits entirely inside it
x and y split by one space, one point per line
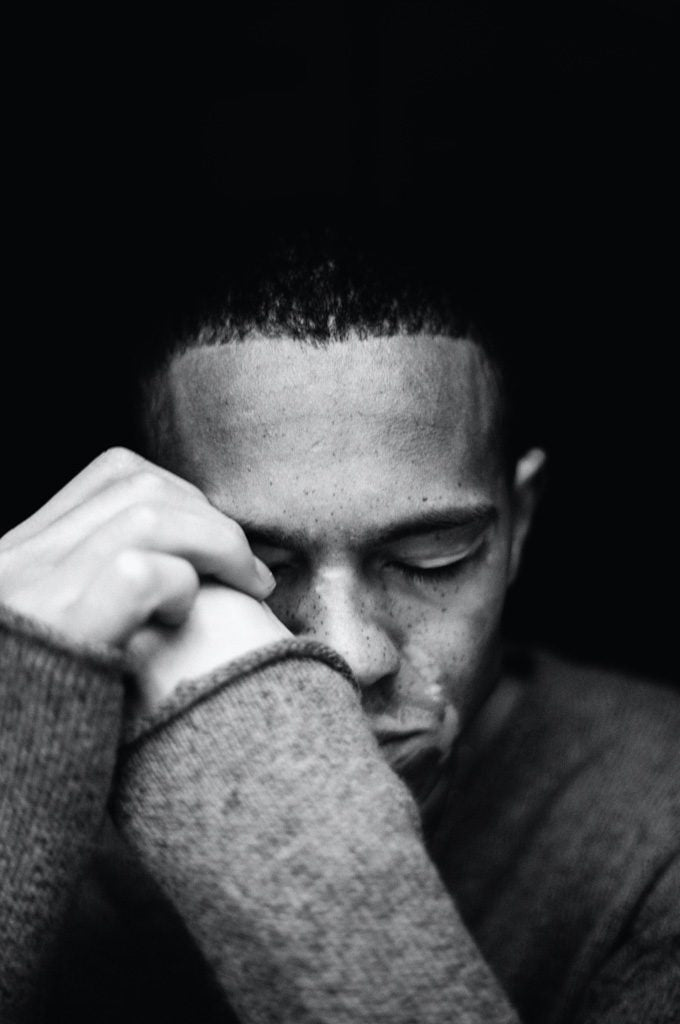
378 696
374 661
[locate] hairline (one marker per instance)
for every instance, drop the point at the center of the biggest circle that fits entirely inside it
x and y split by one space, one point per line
159 423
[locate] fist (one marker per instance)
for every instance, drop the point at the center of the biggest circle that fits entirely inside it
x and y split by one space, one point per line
223 624
124 544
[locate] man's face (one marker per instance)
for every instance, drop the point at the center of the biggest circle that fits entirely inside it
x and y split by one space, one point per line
367 476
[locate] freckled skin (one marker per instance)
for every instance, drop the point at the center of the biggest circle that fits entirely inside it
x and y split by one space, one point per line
339 443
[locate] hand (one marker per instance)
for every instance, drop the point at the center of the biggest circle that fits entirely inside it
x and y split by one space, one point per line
123 544
222 625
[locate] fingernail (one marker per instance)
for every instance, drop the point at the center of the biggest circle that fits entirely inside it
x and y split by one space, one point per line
265 575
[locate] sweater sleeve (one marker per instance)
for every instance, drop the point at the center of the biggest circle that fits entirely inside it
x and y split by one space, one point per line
260 801
60 715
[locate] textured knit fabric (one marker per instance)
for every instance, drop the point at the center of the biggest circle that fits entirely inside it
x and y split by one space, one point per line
561 844
259 806
60 715
294 853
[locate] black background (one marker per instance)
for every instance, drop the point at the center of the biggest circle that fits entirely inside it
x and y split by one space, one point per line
537 140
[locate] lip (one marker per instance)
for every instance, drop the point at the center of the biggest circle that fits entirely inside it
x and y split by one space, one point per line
409 751
413 722
416 734
387 736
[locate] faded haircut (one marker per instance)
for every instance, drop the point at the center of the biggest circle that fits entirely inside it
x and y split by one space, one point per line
326 290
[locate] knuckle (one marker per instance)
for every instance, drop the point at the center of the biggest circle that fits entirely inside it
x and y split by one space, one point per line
195 491
150 484
143 519
134 571
119 460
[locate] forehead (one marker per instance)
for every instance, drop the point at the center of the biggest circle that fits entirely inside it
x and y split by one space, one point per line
277 426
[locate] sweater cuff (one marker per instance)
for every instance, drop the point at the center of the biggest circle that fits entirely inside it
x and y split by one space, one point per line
46 644
195 691
60 712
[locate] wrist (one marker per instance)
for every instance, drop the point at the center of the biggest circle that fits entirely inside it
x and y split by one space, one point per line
224 625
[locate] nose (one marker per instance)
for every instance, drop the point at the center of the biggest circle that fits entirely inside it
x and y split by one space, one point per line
341 613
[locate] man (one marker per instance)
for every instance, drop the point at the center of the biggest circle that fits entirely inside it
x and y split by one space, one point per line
338 444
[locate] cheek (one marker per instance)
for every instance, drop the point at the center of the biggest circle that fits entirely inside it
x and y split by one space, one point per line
448 661
450 640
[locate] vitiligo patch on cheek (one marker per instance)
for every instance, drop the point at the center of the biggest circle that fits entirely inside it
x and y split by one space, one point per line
426 706
421 687
418 757
416 732
415 721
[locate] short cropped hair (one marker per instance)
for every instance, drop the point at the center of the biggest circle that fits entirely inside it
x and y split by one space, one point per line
325 289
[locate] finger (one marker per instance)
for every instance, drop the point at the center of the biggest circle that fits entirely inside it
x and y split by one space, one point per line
115 464
215 545
58 538
132 588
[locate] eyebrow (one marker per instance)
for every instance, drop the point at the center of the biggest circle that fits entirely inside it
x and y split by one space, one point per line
421 523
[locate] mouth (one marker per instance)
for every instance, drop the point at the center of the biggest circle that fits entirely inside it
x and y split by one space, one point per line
410 741
386 737
407 749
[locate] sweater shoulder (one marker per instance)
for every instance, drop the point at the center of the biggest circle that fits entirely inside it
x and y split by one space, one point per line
601 692
594 780
567 832
620 731
579 792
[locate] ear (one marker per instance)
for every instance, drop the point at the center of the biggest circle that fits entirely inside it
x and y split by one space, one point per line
526 490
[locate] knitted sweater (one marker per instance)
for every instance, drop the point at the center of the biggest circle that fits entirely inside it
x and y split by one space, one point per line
301 883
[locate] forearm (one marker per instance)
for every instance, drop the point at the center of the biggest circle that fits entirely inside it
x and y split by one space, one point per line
294 854
60 713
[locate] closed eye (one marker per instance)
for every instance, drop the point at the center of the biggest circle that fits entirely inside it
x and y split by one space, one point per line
435 569
419 574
